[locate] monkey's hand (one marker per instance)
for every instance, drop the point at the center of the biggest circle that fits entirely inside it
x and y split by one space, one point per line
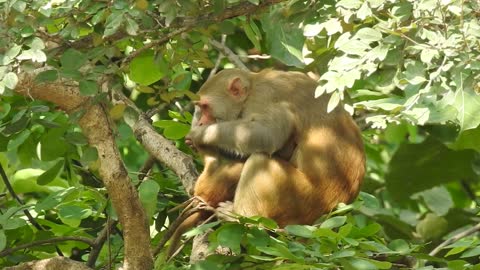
194 137
224 211
203 135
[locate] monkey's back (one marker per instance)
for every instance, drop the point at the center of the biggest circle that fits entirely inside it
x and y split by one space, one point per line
330 148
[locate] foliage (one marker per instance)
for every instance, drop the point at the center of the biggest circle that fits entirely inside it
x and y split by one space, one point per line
408 70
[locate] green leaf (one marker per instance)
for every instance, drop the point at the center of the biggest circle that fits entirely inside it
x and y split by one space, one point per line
311 30
359 264
438 199
76 138
280 251
467 103
14 223
230 235
72 214
113 23
39 108
176 131
54 199
90 154
474 252
342 254
284 39
131 27
200 229
53 145
368 35
4 109
333 222
400 246
428 164
415 73
88 88
467 139
33 54
333 26
350 4
333 101
251 35
144 69
148 193
18 140
17 126
300 230
37 44
10 80
3 240
50 174
10 55
73 59
364 11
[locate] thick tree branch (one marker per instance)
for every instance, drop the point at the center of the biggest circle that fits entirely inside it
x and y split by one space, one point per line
166 152
96 125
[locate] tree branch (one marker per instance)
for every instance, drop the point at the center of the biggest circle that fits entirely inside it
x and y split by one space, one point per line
240 9
455 238
96 126
229 54
166 152
99 241
55 263
47 242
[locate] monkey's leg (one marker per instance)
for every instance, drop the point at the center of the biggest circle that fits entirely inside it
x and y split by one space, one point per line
273 188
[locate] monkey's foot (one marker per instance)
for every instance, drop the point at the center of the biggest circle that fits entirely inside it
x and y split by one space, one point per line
224 211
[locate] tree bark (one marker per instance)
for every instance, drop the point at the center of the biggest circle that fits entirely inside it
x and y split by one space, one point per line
96 126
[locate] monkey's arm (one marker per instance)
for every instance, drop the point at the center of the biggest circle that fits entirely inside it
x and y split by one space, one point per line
259 133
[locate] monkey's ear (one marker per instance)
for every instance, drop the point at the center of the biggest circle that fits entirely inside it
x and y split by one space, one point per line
236 88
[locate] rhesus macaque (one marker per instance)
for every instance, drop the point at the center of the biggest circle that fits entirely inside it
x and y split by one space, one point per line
299 160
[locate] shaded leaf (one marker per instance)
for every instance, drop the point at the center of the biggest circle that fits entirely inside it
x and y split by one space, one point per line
428 164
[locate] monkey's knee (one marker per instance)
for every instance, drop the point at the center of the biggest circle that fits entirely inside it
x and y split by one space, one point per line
257 161
256 186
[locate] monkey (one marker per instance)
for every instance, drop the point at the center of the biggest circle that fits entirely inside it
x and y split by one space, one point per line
277 152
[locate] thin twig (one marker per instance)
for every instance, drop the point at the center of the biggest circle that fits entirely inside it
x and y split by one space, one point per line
219 59
47 242
185 242
146 168
99 241
240 9
455 238
229 54
172 228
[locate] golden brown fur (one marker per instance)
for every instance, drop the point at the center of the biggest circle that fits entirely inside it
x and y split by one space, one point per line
300 160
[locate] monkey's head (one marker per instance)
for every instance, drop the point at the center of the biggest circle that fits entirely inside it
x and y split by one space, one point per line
222 97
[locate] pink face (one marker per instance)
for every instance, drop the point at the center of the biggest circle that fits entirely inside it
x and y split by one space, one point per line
206 116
